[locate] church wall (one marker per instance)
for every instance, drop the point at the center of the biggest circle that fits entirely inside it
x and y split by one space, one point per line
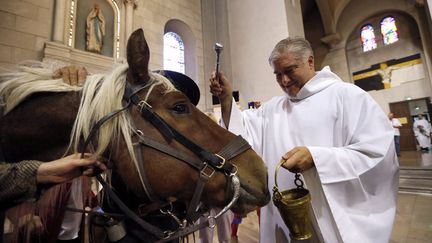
314 31
215 30
344 64
408 44
152 15
254 29
26 25
24 28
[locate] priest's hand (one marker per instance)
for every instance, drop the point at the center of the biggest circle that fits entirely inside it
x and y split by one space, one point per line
298 160
72 74
220 86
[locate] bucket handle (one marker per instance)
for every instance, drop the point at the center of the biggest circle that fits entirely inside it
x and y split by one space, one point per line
297 181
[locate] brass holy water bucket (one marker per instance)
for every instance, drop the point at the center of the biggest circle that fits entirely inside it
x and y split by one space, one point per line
293 206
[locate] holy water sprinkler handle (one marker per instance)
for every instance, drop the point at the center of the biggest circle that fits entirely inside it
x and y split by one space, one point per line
218 48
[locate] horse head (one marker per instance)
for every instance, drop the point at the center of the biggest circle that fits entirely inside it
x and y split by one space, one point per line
168 176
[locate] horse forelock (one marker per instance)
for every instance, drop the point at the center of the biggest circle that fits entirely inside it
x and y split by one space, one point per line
103 94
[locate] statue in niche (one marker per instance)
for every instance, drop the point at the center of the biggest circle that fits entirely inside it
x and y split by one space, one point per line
95 29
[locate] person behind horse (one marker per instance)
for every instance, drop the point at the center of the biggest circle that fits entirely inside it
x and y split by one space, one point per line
26 180
396 125
333 133
22 181
422 131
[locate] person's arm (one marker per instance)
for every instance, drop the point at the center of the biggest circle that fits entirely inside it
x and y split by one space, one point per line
396 123
20 181
221 88
247 123
366 144
67 168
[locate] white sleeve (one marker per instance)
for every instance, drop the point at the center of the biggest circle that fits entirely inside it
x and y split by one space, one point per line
248 124
398 123
415 129
367 136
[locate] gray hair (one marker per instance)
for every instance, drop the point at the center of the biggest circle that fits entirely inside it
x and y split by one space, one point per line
298 46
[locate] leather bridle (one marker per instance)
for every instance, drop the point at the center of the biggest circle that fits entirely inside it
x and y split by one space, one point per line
204 161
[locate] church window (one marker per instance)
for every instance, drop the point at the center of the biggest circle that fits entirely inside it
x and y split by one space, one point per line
389 30
173 52
368 38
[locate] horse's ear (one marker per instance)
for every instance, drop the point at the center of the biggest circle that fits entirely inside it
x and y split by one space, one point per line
138 56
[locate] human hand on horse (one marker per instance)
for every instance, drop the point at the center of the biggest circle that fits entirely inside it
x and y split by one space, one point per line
67 168
298 160
72 74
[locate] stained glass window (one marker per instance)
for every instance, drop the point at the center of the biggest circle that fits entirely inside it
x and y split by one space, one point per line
368 38
173 52
389 30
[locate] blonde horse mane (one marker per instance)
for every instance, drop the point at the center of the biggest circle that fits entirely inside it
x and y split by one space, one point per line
101 95
17 86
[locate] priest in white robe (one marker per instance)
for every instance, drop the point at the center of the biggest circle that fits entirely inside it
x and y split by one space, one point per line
422 132
332 132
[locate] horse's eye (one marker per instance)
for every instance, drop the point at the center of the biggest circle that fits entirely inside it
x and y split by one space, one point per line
180 108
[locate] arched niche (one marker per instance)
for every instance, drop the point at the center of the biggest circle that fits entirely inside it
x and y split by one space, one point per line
111 13
69 40
83 10
189 40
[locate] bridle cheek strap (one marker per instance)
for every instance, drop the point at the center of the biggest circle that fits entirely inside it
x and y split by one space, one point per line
169 132
235 147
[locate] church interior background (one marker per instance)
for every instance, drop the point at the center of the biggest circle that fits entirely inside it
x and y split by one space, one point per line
383 48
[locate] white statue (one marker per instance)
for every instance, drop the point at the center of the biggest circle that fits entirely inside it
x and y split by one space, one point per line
95 29
386 74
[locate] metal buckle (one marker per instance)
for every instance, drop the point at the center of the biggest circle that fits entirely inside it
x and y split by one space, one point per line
212 222
203 171
222 163
172 215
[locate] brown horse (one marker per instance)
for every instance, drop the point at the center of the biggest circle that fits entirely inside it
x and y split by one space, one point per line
40 128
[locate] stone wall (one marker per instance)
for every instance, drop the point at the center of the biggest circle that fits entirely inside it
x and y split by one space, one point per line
24 28
152 15
26 25
346 57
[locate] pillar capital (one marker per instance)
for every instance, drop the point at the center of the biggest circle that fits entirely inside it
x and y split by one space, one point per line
131 2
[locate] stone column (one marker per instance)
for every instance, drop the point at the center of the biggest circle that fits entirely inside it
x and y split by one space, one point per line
59 21
130 5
